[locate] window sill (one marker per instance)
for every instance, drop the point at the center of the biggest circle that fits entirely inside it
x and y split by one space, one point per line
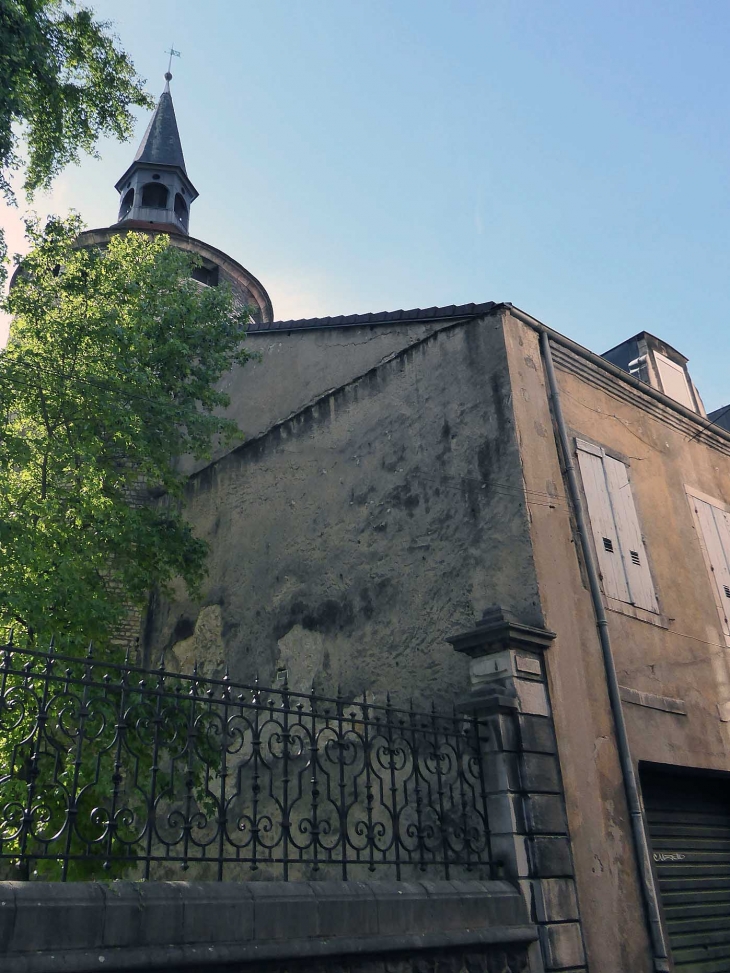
624 608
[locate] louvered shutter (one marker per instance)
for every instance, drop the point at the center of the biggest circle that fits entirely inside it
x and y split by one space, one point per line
636 565
715 525
605 533
615 524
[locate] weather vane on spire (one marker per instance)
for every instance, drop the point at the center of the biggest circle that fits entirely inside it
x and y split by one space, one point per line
173 53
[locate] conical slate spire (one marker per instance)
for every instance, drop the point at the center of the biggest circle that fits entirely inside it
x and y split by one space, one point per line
156 190
160 145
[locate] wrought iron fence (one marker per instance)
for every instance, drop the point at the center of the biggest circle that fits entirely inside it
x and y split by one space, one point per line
109 769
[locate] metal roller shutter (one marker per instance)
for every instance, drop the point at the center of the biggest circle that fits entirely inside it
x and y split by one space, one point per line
688 818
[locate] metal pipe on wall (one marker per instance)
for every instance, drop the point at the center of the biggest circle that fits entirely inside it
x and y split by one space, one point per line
641 841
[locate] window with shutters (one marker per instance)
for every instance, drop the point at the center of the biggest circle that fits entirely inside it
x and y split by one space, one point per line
674 380
619 545
713 520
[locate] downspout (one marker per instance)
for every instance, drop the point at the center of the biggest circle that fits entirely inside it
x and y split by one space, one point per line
641 842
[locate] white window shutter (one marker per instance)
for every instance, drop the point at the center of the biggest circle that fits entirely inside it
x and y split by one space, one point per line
600 511
633 554
715 525
674 380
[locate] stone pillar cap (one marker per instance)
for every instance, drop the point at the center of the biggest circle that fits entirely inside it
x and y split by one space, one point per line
499 629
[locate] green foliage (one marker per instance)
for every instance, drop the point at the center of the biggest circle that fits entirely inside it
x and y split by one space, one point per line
65 81
64 84
109 767
108 378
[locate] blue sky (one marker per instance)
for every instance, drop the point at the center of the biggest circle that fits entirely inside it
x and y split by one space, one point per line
572 157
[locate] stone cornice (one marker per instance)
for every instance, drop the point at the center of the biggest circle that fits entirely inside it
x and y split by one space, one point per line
498 630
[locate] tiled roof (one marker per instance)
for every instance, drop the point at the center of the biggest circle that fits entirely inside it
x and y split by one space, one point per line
415 315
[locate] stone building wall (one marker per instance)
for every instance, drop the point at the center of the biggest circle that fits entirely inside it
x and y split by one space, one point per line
351 539
671 664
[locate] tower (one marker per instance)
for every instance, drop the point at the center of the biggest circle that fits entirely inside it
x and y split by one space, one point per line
155 194
156 189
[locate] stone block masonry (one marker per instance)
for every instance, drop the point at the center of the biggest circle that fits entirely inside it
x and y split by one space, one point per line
528 822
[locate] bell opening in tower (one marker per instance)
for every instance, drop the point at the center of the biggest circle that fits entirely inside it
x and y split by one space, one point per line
181 210
127 204
154 195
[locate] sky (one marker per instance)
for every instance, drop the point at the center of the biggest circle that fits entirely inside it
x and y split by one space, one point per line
571 157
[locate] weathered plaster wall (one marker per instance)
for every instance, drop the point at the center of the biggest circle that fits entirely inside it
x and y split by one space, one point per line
597 815
296 368
679 653
683 654
351 539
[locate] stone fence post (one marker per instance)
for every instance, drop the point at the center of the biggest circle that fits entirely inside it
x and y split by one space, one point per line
526 803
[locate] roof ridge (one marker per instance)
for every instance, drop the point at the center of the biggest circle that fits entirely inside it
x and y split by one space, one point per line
377 317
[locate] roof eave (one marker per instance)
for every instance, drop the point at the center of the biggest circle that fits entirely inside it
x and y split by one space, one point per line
152 167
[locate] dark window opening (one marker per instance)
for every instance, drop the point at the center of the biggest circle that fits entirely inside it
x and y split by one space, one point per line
608 544
154 195
181 210
126 206
206 275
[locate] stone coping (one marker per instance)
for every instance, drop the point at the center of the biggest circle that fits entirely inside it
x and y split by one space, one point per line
84 926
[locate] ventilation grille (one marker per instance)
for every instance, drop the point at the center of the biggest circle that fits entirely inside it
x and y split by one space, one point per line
727 591
608 544
636 560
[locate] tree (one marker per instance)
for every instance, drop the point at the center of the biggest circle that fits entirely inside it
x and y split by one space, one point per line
64 84
108 377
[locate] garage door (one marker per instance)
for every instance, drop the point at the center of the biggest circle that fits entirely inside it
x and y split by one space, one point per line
689 826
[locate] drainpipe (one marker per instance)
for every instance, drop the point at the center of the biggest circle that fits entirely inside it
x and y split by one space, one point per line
641 842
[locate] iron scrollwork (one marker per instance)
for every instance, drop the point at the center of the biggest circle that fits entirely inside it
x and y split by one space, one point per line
110 769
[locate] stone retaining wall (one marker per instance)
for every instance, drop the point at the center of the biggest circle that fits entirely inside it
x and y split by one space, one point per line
298 927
